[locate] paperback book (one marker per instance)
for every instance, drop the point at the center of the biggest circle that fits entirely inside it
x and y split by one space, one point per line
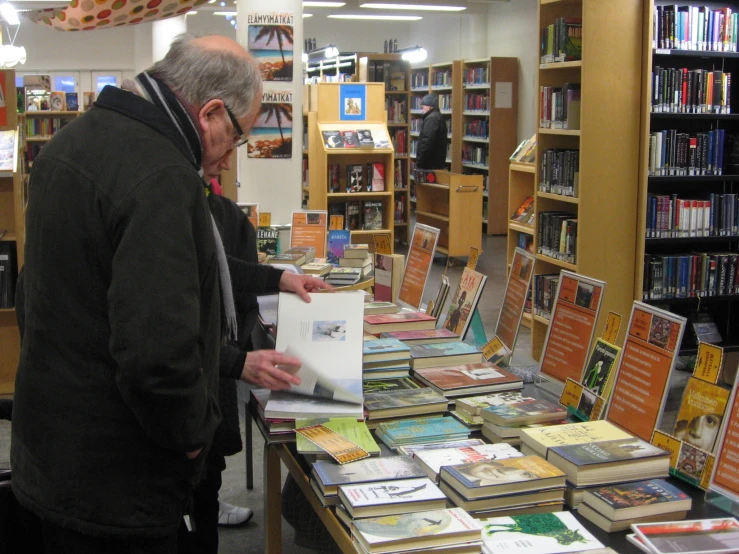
332 139
701 412
692 537
464 301
433 460
444 354
427 336
472 406
349 428
468 379
329 475
539 440
524 413
388 274
401 321
398 403
391 497
420 430
388 385
381 350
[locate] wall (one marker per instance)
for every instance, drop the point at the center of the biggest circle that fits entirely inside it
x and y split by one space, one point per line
352 35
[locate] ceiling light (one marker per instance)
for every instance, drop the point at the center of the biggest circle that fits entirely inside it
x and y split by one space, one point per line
417 7
329 51
322 4
380 17
9 14
10 56
192 13
227 14
307 15
414 54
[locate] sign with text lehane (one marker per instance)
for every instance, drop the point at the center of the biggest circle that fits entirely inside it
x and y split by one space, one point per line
572 326
514 300
418 265
309 229
640 387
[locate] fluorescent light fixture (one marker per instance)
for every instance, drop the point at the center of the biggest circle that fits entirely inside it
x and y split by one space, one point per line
192 13
232 14
414 54
322 4
416 7
9 14
379 17
307 15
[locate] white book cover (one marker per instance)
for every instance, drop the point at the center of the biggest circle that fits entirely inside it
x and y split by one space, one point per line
327 335
548 533
390 492
285 405
474 404
435 459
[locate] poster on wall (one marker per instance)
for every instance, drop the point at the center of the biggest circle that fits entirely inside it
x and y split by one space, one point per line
271 43
272 133
352 103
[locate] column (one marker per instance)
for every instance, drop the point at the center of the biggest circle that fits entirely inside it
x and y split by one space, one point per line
275 184
163 33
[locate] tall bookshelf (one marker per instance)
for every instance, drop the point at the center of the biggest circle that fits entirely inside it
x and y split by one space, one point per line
394 72
608 137
418 89
324 103
656 246
521 186
12 219
445 80
489 128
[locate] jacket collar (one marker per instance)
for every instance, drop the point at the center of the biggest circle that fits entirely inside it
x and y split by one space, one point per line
143 111
432 110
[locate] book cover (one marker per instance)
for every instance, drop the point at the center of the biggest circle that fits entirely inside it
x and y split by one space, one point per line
286 405
380 307
436 458
392 492
486 473
454 524
353 219
691 537
317 268
475 404
442 349
365 138
506 414
385 346
424 335
376 177
543 438
414 430
401 398
603 452
467 375
550 533
350 139
332 139
349 428
72 102
337 240
410 449
599 367
290 258
524 210
384 319
372 215
368 470
354 177
464 301
388 385
356 251
637 494
388 274
57 102
701 413
88 99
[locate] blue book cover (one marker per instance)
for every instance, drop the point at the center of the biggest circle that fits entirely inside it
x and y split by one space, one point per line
442 349
384 346
608 451
337 239
416 429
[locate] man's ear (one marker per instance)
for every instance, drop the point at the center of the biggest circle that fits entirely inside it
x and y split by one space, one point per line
210 113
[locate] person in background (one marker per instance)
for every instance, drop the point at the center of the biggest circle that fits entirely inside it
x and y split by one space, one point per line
432 141
115 401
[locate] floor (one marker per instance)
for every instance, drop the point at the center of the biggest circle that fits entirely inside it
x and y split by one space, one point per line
249 539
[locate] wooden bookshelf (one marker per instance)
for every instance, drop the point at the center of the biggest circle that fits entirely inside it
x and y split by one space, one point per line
395 73
521 186
721 307
323 116
13 200
487 153
305 156
452 205
608 140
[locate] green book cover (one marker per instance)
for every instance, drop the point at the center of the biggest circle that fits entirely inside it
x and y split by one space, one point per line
349 428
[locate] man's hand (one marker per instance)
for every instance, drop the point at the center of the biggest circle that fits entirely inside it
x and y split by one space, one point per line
302 284
259 369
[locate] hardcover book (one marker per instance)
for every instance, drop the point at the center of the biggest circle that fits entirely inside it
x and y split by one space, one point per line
539 440
354 177
427 336
372 215
391 497
379 350
701 413
380 308
415 531
332 139
329 475
404 402
353 219
502 476
691 537
375 177
388 385
443 354
356 251
350 139
420 430
293 258
365 138
317 268
72 102
524 413
474 405
464 301
337 240
405 320
637 499
553 533
388 275
433 460
468 379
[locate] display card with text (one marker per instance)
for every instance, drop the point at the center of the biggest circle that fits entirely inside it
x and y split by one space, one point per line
725 477
418 265
572 326
652 343
514 300
309 229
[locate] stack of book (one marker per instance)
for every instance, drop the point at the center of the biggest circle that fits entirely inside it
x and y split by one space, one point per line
385 358
418 431
394 404
349 428
298 255
432 460
443 354
505 422
379 307
516 485
411 449
617 507
468 379
470 408
326 475
448 531
319 267
427 336
343 276
405 320
357 256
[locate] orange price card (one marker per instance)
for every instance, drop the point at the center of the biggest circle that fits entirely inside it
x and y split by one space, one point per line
640 387
418 265
336 223
613 324
265 219
474 256
667 442
382 243
571 394
514 299
710 359
572 326
310 229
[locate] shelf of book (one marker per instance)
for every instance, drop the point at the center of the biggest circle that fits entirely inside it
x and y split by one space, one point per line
603 215
360 194
659 60
476 139
394 72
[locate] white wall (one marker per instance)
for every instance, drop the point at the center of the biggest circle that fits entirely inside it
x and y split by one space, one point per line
352 35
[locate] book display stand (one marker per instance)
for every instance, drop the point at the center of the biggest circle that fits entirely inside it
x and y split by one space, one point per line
723 488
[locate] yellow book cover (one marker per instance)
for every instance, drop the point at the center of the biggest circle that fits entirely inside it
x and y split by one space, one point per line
701 413
542 438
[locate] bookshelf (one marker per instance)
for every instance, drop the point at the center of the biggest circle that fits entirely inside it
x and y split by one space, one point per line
452 204
394 72
489 128
521 185
699 258
607 141
419 88
324 104
304 179
38 127
341 69
12 219
445 80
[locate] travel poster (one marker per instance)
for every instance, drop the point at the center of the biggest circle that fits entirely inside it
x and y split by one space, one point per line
309 229
272 133
418 265
519 283
270 41
572 326
640 388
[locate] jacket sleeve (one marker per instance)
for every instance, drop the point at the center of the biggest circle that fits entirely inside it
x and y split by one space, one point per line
424 154
155 311
232 362
253 278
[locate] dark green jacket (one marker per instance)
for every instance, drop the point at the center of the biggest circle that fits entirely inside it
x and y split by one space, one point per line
118 375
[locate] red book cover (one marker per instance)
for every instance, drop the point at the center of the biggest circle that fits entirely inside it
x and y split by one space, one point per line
467 375
399 317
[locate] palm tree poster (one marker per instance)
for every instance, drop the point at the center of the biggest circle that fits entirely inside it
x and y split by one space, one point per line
272 133
271 44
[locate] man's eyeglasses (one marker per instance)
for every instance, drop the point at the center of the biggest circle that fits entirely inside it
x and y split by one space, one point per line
240 137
